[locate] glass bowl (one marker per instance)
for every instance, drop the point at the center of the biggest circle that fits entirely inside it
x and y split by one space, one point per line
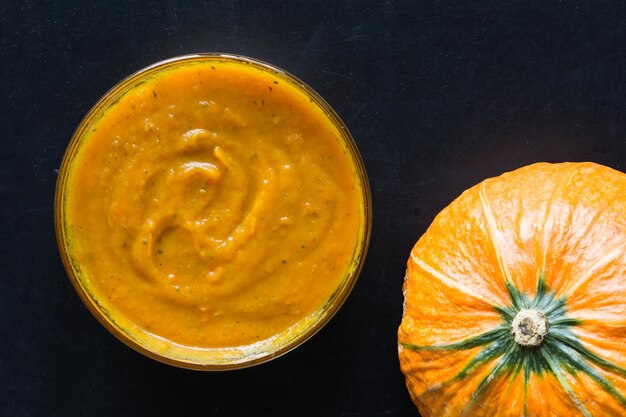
222 358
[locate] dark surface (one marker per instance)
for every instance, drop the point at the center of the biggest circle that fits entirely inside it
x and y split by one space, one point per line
438 96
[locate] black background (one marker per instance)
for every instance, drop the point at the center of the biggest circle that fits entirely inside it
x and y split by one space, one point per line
437 95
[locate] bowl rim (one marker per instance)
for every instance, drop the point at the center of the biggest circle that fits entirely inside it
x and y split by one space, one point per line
333 304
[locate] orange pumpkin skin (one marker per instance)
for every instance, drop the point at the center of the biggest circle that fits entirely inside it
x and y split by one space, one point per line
549 239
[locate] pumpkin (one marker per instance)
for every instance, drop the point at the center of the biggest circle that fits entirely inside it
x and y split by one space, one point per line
515 298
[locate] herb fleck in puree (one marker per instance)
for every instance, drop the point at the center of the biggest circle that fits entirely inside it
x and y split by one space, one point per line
214 205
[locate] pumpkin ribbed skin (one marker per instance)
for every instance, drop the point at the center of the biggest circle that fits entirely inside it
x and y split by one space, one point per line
549 239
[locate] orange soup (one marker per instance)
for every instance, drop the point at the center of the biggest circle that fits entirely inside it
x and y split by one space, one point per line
214 204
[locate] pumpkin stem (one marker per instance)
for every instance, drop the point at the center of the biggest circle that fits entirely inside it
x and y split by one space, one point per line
530 327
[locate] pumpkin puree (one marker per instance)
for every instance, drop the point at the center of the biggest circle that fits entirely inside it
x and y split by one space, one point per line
214 205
